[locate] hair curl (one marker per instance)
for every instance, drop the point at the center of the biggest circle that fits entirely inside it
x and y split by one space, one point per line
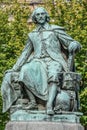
34 12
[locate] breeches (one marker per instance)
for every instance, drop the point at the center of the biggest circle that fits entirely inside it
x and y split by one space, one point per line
53 69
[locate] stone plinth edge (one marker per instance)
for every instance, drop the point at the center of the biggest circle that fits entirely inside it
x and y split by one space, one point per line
68 117
36 125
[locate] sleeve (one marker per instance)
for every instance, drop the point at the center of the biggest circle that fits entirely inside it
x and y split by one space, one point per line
24 56
64 38
68 43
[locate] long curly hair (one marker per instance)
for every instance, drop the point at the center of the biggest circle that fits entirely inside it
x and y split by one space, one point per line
34 12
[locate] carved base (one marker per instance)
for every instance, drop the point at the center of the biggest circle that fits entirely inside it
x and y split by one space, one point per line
22 115
43 126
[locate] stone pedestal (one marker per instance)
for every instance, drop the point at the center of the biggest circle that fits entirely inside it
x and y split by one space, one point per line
39 120
36 125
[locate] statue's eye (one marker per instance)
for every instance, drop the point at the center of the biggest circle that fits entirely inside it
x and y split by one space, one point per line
42 13
37 14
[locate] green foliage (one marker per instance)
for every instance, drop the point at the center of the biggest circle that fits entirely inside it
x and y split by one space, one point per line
84 120
14 30
83 98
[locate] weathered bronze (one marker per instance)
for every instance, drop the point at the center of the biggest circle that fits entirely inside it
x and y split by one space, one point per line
44 76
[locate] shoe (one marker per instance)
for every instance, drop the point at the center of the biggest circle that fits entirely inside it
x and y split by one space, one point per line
49 111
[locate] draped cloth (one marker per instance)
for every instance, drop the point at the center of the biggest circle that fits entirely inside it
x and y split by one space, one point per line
8 92
34 76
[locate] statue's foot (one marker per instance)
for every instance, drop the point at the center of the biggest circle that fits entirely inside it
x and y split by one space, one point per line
31 106
49 110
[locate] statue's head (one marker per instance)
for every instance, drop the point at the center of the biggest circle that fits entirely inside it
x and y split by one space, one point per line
40 16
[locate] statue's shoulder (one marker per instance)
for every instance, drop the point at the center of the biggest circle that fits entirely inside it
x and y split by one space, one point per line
31 34
56 27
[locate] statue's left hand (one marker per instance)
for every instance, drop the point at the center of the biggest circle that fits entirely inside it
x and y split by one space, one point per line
74 47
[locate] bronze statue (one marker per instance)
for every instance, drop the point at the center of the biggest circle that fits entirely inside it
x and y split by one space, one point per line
45 70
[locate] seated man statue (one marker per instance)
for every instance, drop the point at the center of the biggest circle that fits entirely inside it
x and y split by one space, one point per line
38 69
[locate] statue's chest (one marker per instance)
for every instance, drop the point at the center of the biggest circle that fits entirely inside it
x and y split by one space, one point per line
45 37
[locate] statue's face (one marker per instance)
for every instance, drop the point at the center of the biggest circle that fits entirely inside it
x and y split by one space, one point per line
40 16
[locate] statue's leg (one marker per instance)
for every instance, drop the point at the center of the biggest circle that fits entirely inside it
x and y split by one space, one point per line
54 69
32 102
51 98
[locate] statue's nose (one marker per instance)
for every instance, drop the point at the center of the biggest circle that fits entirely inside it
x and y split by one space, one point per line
40 15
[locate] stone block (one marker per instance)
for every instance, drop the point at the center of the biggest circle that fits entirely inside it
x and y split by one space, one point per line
32 125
